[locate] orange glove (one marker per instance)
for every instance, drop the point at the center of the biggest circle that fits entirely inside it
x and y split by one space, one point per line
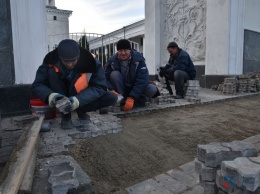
114 92
129 104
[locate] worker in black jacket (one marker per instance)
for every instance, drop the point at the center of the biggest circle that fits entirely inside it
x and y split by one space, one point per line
179 69
72 72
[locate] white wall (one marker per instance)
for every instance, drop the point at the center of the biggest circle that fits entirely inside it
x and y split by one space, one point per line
152 43
29 32
217 37
252 15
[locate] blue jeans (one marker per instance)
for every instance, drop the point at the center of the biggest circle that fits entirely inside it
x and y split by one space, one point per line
179 77
117 81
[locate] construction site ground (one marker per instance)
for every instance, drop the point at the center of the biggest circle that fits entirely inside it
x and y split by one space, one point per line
157 140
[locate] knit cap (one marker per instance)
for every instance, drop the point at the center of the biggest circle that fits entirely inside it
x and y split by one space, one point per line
123 44
68 50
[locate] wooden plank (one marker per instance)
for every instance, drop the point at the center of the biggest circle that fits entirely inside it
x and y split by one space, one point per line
26 185
19 160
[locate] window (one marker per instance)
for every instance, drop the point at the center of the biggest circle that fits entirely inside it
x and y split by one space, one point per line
54 17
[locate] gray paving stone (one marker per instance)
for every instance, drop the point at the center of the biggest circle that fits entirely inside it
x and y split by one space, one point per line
60 174
171 184
214 153
189 168
184 178
209 187
148 186
206 173
198 189
246 172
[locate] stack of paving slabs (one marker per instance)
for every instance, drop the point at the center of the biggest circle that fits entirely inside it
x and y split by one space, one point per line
191 91
257 81
215 165
229 85
164 98
246 83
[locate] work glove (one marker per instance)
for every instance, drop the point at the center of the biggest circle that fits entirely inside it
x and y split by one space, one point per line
73 106
53 98
129 104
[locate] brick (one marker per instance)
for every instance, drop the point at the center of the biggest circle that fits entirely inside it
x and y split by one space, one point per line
198 189
184 178
245 171
148 186
171 184
206 173
214 153
209 187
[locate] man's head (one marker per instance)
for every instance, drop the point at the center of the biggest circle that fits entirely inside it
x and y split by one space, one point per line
173 49
123 49
69 53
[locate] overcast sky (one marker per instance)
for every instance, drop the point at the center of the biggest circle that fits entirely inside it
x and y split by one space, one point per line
101 16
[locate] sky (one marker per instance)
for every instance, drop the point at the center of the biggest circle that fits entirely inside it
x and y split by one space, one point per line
101 16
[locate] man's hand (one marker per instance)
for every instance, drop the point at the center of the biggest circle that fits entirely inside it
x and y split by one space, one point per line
73 106
129 104
53 98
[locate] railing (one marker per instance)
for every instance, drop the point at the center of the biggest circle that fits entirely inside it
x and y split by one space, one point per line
103 46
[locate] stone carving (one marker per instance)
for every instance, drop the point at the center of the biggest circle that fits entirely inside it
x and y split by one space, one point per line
185 23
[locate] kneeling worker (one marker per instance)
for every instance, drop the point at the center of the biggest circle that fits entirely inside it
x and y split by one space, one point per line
179 69
128 76
71 72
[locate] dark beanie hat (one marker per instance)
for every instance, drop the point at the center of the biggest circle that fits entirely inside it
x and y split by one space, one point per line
68 50
123 44
172 45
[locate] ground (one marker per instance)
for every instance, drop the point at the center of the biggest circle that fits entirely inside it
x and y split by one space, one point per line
155 143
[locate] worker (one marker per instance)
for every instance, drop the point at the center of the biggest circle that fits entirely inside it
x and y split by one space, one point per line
179 69
71 72
128 77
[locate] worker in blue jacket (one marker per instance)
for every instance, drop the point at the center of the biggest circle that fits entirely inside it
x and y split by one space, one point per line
179 69
128 77
72 72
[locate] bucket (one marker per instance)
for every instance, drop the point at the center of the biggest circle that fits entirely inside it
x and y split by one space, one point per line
39 108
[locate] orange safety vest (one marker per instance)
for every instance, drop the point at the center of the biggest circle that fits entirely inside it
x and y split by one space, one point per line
81 83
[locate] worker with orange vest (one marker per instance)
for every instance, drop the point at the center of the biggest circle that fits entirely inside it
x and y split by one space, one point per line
72 72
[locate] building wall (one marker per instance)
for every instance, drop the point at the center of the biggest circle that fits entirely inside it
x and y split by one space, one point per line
6 47
29 31
251 60
58 25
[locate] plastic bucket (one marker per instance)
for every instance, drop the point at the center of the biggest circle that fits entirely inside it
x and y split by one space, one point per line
39 108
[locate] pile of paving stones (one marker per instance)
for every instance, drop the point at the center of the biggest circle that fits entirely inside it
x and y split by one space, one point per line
245 83
232 168
191 91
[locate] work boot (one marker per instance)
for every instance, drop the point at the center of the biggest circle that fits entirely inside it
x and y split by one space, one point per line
66 122
178 96
103 111
83 118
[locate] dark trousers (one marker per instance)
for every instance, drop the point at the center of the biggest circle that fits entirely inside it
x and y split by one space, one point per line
179 77
117 81
63 86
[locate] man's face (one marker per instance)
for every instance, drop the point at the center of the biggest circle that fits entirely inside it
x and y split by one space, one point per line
123 54
173 51
69 64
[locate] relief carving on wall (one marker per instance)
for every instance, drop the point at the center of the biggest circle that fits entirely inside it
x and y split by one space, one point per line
185 23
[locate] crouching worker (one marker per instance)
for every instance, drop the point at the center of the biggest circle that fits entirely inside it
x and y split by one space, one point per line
70 73
128 77
179 69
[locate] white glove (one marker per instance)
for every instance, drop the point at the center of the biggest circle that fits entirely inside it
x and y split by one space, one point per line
74 104
53 98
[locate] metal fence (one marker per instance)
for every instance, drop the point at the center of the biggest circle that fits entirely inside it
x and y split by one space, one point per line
103 46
